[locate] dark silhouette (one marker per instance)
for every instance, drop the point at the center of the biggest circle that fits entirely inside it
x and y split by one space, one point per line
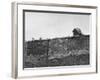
77 32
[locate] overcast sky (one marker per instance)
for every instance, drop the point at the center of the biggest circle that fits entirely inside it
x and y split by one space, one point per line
51 25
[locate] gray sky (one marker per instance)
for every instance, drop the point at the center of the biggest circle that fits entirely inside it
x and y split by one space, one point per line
51 25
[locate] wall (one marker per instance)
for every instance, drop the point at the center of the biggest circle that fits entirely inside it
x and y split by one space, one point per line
5 41
57 52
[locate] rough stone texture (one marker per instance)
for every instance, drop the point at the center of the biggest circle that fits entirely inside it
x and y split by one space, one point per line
65 51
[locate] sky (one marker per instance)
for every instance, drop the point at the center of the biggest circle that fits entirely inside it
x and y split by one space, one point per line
52 25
